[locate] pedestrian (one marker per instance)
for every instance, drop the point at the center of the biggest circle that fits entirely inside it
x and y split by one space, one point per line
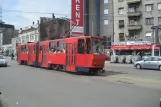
12 56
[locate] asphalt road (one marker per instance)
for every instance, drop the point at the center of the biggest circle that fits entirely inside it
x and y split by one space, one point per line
24 86
129 68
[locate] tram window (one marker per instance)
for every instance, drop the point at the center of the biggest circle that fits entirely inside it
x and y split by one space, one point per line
52 46
61 46
26 48
41 49
81 46
88 45
23 49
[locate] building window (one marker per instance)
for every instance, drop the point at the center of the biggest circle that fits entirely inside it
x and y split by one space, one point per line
120 0
148 36
121 23
132 9
27 38
149 21
106 22
133 21
159 6
133 35
105 1
121 37
121 10
106 11
149 7
159 20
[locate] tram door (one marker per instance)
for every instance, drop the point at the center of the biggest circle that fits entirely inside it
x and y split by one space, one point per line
70 56
18 53
45 56
30 54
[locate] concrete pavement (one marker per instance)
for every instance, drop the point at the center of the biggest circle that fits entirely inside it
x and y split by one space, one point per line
24 86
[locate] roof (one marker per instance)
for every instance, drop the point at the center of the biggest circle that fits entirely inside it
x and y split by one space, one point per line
2 25
28 30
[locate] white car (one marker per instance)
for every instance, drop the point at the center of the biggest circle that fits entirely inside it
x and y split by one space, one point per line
3 61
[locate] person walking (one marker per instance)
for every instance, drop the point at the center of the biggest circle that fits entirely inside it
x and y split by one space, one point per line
12 56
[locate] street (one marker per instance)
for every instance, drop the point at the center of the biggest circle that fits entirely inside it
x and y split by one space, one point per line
120 86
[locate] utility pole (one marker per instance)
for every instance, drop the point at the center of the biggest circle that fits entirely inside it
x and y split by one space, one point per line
0 13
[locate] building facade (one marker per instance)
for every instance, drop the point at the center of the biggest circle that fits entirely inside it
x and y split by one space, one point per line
133 19
14 42
98 19
28 35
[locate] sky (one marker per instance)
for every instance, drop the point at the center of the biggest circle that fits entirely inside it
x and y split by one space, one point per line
61 8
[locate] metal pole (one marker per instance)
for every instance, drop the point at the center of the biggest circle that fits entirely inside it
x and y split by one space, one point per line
153 49
92 28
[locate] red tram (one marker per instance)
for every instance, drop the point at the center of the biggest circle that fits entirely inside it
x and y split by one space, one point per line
77 54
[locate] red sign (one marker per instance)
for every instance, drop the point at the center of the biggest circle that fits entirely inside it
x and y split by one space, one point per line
77 16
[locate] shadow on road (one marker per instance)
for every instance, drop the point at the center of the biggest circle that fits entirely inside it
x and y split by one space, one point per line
5 66
107 73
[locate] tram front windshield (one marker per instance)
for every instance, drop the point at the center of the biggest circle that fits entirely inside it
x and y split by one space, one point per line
97 46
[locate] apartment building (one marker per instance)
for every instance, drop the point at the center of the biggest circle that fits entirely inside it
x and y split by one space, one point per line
133 19
29 34
98 19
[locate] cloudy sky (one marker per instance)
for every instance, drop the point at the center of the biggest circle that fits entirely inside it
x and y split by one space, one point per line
61 8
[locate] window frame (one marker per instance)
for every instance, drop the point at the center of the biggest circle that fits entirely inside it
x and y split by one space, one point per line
106 10
105 22
149 22
83 52
106 1
122 11
159 20
158 6
53 45
152 7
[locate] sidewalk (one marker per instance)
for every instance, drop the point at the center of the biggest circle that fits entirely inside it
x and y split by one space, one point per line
107 62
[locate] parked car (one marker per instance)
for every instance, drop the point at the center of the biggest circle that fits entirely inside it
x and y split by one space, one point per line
3 61
151 62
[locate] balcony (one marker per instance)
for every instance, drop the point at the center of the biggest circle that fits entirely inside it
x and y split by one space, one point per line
133 1
134 14
134 27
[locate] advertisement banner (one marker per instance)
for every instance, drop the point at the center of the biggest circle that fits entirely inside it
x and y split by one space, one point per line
77 16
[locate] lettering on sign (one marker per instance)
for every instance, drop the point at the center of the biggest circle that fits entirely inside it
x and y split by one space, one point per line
77 16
